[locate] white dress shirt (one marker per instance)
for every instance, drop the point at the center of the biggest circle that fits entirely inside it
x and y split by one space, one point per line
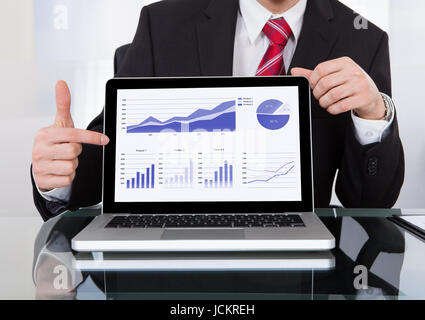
250 46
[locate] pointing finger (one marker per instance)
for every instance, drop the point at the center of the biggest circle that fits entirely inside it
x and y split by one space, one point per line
71 135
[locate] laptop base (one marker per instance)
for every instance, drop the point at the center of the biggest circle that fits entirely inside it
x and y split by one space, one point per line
96 238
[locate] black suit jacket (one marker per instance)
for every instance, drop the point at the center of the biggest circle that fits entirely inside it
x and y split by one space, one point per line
196 38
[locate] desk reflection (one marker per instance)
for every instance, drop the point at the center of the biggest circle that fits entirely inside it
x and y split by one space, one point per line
373 243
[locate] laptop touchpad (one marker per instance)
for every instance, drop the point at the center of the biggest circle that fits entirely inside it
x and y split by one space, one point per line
203 234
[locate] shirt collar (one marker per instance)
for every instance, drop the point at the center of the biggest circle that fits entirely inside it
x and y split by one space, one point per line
256 16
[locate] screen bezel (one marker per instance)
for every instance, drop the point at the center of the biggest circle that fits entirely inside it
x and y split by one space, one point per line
109 152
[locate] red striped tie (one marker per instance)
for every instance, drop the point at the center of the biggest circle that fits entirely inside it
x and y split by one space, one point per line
278 31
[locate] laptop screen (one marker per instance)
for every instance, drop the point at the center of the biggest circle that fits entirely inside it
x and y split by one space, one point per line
208 144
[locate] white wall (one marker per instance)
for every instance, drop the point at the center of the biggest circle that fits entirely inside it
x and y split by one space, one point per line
28 78
17 97
377 11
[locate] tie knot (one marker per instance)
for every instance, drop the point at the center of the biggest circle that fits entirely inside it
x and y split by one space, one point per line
278 31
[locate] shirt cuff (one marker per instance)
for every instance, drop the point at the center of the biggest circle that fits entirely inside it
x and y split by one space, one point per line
373 131
55 195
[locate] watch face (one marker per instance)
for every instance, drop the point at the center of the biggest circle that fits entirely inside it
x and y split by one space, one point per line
389 111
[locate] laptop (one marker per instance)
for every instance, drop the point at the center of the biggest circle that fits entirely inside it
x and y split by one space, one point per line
213 164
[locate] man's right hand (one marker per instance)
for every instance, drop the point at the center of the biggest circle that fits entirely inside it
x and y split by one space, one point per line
56 148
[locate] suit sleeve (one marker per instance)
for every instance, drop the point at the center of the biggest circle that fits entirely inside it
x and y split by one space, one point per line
371 176
139 61
47 209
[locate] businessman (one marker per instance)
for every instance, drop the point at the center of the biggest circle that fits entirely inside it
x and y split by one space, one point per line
354 124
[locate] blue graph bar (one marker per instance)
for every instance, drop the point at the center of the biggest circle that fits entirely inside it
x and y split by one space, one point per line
211 183
147 178
216 178
225 173
138 180
231 175
206 183
132 183
221 176
153 176
128 184
143 181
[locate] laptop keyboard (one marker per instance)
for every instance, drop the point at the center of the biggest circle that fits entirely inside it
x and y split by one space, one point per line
206 220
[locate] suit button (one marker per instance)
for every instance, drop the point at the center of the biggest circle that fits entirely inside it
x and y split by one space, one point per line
372 166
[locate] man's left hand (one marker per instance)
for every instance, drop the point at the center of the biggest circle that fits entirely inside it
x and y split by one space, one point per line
341 85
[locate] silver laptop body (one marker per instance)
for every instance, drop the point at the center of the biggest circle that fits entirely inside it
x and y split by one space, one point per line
207 164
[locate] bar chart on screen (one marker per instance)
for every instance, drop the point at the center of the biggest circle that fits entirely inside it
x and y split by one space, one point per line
176 170
138 171
216 171
143 179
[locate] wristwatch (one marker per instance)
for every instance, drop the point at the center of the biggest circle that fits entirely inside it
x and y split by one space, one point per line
389 107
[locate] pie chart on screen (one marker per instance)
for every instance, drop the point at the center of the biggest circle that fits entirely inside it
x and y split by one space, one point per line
273 114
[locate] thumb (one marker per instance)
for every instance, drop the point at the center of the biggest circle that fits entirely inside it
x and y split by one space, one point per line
301 72
63 106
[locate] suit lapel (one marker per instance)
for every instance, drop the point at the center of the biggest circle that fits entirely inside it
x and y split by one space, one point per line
216 38
317 37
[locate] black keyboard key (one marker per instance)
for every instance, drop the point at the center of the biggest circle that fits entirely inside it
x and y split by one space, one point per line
270 225
284 225
155 225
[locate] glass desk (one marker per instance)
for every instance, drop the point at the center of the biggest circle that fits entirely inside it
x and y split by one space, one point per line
374 259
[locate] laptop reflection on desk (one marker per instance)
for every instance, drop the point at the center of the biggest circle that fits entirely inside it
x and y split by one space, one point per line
204 261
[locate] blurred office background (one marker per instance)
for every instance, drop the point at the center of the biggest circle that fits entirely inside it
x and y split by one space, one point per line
42 41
